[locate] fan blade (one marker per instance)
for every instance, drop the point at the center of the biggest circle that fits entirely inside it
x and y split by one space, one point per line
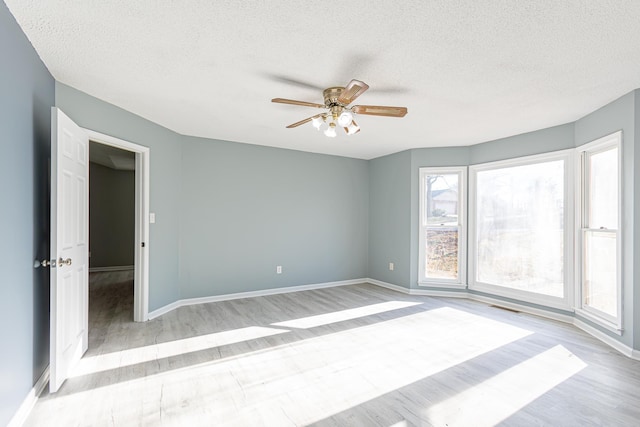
301 122
378 110
294 102
354 89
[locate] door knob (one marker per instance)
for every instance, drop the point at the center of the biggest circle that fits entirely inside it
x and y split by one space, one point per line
44 263
64 261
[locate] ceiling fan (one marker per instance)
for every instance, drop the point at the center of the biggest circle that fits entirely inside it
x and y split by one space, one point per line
338 112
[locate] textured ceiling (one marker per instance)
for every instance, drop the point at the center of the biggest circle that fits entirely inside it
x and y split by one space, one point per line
468 71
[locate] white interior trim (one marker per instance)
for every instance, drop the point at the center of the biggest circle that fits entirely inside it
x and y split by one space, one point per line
423 292
565 318
250 294
461 171
391 286
586 314
114 268
142 182
561 303
613 140
29 402
610 341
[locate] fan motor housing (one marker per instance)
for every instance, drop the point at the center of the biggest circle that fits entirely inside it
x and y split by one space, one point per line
331 95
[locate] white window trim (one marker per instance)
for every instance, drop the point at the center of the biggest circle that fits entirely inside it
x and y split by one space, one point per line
565 303
599 145
460 282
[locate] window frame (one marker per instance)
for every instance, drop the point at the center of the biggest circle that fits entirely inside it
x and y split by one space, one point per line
461 281
582 155
567 301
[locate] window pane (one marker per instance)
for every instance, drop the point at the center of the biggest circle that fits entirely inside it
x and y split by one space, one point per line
600 281
603 186
441 198
442 253
520 227
441 208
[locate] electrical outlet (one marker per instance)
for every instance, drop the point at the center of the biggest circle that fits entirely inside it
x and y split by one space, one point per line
279 269
391 266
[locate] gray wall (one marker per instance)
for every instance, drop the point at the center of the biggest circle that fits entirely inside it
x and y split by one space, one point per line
527 144
26 97
246 209
390 218
111 216
165 145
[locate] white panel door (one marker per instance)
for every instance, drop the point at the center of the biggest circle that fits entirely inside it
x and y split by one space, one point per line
69 246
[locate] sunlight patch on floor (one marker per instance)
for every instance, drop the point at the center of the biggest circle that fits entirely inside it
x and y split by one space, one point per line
342 315
302 382
133 356
494 400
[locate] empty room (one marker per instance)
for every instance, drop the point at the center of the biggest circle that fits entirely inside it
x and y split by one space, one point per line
357 213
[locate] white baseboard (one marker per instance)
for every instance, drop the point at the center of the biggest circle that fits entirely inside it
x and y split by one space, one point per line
163 310
611 342
32 397
565 318
115 268
439 293
423 292
249 294
388 285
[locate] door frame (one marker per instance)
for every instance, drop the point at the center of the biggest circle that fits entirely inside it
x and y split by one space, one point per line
141 256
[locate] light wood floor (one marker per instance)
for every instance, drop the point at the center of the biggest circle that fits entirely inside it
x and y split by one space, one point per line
350 356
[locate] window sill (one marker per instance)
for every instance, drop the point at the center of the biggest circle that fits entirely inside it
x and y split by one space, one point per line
436 284
522 296
603 323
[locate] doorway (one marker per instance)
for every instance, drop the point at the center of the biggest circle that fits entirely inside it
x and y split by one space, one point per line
124 156
111 231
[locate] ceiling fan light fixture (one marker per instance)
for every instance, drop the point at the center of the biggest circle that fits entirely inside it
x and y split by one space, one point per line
353 128
331 130
345 118
317 122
